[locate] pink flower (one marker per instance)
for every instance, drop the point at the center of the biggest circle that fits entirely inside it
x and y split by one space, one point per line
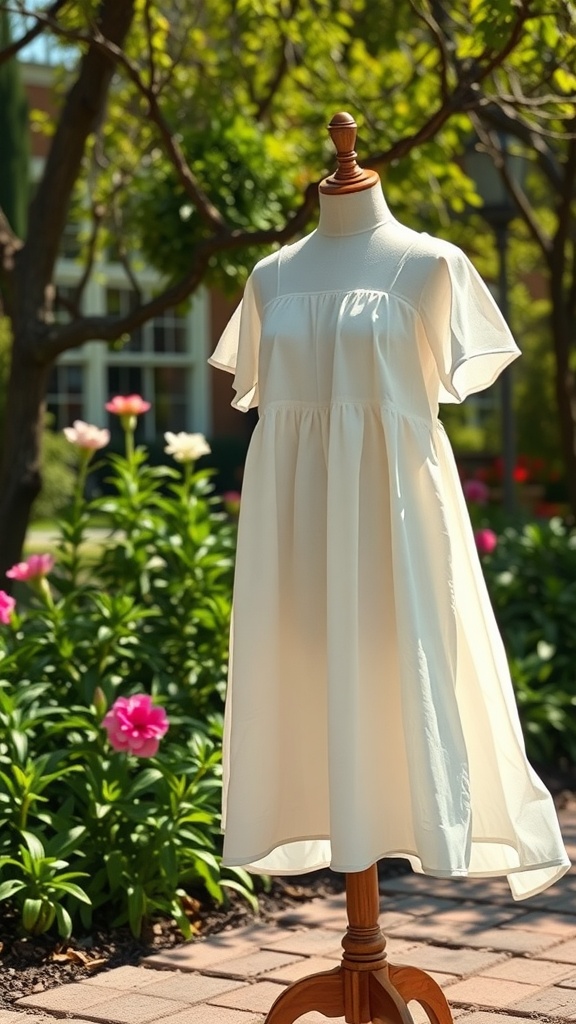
86 436
476 491
33 568
127 405
7 605
486 541
134 725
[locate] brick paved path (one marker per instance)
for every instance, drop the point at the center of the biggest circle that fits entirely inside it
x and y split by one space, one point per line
499 962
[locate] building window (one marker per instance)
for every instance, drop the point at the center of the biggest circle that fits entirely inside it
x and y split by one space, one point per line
65 395
170 398
169 332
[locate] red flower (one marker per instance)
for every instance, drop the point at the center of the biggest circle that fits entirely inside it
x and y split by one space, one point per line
486 541
135 726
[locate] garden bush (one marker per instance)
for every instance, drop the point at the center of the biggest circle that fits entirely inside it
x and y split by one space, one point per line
531 576
112 674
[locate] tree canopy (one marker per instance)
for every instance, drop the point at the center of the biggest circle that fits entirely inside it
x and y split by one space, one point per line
192 135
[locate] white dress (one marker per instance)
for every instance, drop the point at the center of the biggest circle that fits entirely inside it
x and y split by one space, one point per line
370 711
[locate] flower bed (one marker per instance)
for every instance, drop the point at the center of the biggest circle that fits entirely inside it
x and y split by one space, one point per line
111 688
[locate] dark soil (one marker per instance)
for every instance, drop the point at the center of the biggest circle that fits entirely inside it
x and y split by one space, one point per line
33 964
30 964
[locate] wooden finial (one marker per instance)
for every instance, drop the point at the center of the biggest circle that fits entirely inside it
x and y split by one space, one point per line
348 177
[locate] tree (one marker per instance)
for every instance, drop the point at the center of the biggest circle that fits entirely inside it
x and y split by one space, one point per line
14 168
261 76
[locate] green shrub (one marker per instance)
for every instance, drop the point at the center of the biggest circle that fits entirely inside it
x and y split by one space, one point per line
143 608
58 476
531 577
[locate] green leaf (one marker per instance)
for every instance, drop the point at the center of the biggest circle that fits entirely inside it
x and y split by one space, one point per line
32 914
71 888
64 921
136 908
8 888
34 845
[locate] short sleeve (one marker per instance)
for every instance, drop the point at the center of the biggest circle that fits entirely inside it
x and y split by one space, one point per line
238 349
469 338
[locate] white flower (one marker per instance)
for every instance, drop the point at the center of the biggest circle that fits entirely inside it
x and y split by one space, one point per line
186 447
85 435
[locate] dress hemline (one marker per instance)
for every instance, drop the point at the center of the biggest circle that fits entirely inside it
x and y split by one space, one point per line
250 864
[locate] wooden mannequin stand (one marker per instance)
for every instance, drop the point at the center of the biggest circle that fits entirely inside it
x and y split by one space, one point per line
365 987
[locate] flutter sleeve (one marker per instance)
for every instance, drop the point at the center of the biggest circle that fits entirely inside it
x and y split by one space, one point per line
238 348
469 338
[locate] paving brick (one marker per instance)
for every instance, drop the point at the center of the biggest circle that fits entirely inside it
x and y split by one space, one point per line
206 1014
552 1002
477 915
308 943
460 962
316 914
425 929
249 966
132 1008
419 1015
563 925
569 981
495 992
121 978
188 988
195 956
390 920
484 889
258 997
485 1017
450 910
530 970
18 1017
563 952
301 969
512 940
416 904
74 998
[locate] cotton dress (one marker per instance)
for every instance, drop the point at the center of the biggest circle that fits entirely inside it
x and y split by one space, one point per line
370 711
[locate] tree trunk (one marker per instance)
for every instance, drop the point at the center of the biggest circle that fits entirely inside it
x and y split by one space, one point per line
32 276
24 422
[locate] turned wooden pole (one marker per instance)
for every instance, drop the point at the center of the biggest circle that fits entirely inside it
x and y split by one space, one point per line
364 942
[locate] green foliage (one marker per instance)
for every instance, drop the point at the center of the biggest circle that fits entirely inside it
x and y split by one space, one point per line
58 477
531 577
240 172
144 609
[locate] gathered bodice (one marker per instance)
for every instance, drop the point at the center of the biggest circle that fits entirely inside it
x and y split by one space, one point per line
362 346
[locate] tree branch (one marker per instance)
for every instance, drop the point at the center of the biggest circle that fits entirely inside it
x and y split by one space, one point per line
464 96
441 42
97 217
56 339
502 118
102 43
80 114
489 141
33 33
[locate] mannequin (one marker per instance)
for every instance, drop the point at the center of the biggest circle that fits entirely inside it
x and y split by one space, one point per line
360 723
365 986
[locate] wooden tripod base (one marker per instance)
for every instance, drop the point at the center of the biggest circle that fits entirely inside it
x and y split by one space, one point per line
365 987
